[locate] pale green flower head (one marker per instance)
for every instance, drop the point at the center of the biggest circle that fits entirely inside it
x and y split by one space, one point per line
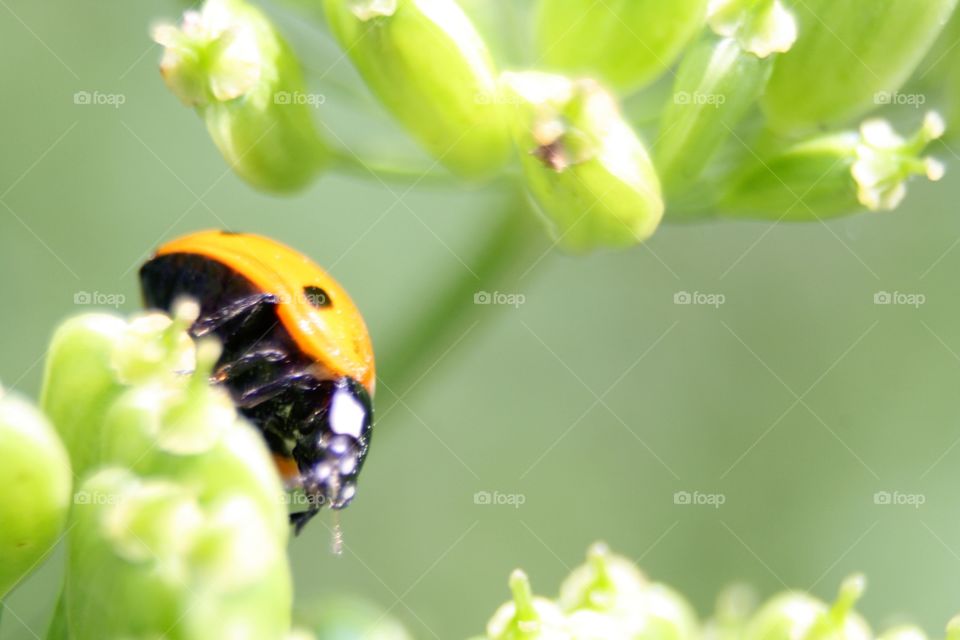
885 160
215 54
761 27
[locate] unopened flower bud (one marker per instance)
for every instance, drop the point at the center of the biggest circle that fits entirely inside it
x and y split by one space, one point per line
606 582
846 54
716 84
36 478
428 65
584 166
227 60
796 614
836 174
626 44
527 617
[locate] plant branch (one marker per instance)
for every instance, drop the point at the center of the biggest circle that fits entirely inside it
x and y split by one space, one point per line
512 245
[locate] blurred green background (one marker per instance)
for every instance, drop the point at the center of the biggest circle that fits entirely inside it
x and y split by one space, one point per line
596 400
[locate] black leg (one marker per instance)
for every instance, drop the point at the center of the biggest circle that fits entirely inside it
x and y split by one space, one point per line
300 520
241 310
302 380
248 361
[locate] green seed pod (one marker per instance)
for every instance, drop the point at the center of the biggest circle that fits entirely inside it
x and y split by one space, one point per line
605 583
835 174
36 478
426 62
80 383
591 625
229 62
91 359
527 617
848 53
666 615
584 166
761 27
793 615
953 628
715 86
626 43
148 558
735 605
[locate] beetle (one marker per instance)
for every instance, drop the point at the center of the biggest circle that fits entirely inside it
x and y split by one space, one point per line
297 358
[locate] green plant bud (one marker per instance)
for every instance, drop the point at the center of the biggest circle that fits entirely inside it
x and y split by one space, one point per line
735 605
192 431
527 617
668 616
345 618
904 632
155 345
426 62
36 479
80 383
800 616
953 628
586 169
626 43
149 558
91 359
715 86
836 174
761 27
606 582
592 625
229 62
848 53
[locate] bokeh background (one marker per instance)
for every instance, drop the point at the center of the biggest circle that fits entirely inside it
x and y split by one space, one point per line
595 401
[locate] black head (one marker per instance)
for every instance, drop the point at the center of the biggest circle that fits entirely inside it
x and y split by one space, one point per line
334 443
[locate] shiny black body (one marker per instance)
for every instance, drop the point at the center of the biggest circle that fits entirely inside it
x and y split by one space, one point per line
321 423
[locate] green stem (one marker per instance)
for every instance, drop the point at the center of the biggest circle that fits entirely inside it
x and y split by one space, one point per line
58 629
512 246
389 171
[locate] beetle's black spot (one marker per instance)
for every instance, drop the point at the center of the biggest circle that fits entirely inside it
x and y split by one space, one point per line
227 232
317 297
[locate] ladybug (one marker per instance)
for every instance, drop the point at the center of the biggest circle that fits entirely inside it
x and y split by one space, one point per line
297 359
